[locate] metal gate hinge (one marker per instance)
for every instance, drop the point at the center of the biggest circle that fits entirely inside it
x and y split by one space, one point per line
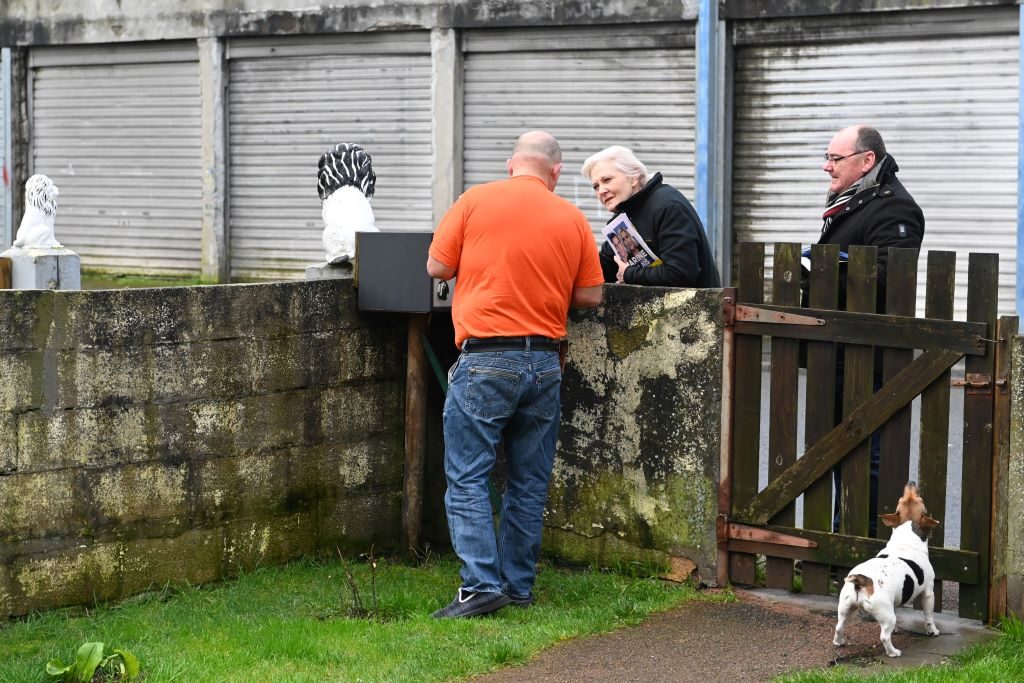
978 383
764 315
744 532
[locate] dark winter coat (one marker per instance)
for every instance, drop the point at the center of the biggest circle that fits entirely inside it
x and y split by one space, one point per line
671 228
883 216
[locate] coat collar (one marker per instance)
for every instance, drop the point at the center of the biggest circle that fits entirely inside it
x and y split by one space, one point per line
641 195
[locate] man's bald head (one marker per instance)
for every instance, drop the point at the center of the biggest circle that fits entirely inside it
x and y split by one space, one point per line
538 143
537 153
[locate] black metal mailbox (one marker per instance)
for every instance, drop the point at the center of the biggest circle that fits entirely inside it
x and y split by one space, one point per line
391 274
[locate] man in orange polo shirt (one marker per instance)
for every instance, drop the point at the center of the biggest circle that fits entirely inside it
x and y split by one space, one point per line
522 255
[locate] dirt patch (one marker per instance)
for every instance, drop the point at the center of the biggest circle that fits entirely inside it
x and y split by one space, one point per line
749 640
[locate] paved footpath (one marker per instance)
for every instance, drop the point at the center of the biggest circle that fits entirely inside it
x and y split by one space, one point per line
765 634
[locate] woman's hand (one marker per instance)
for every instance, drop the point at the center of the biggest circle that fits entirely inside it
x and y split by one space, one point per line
622 270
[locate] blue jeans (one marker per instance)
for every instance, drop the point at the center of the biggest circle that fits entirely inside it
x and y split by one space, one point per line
515 395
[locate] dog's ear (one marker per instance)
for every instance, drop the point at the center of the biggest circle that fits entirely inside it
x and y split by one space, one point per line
928 523
891 519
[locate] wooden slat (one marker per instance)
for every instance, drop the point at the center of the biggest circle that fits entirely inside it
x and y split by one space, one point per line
1005 332
415 433
747 402
823 455
5 272
949 564
934 449
820 414
894 464
861 287
982 300
883 330
782 423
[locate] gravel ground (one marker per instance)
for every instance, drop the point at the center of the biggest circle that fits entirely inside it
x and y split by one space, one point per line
763 635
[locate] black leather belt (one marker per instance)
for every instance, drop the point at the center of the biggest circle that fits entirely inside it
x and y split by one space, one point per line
510 344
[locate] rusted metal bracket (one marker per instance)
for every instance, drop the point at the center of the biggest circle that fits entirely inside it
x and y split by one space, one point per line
742 532
763 315
728 311
979 383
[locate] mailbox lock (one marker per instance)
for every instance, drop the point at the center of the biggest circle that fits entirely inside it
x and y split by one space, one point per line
442 290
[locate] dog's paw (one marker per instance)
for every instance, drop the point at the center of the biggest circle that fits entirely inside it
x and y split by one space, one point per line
931 630
894 652
839 641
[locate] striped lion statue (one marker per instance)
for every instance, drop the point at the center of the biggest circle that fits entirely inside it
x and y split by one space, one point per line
345 183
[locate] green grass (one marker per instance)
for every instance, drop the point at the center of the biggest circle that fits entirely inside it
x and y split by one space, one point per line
291 624
997 661
101 280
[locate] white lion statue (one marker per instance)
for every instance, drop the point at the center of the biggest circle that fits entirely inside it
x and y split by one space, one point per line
36 228
345 182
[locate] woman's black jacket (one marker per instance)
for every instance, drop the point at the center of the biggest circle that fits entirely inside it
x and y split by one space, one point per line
670 226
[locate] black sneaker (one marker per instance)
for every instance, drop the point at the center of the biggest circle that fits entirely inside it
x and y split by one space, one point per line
522 603
467 604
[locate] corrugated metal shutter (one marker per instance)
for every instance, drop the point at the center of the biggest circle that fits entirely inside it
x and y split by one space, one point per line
946 105
590 87
118 129
290 100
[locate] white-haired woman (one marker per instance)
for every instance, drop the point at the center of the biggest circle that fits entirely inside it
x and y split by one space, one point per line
661 214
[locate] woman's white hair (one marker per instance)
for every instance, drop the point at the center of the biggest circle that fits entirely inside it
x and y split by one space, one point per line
622 158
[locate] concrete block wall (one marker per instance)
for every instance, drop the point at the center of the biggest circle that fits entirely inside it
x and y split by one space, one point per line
635 483
183 434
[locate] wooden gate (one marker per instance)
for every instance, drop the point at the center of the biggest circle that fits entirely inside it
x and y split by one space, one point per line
917 355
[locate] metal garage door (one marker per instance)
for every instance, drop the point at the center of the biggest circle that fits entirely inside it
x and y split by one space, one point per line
940 86
589 86
118 130
290 100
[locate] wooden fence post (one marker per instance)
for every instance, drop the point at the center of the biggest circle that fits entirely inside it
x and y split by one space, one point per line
747 403
976 498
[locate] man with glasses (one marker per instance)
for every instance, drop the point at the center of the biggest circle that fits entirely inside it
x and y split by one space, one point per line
866 205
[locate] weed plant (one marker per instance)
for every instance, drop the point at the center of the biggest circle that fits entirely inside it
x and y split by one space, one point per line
997 661
293 624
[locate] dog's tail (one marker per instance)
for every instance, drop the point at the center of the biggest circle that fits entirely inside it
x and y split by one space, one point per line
861 582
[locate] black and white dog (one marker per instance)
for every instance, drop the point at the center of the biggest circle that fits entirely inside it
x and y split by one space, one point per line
895 576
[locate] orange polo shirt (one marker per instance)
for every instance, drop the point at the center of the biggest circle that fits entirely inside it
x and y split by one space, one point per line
518 251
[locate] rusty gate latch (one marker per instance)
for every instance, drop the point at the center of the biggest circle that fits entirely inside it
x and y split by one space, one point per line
764 315
978 383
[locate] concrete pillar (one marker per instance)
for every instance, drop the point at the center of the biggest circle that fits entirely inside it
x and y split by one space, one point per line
215 260
18 164
446 104
713 179
41 268
6 147
1014 561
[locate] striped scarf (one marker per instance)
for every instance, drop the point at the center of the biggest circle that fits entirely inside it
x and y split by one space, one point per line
837 203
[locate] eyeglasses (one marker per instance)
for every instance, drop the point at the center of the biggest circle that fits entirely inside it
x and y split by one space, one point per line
836 158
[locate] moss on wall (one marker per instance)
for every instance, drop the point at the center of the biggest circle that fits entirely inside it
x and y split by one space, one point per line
182 434
637 471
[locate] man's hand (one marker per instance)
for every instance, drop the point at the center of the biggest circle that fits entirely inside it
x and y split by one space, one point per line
622 270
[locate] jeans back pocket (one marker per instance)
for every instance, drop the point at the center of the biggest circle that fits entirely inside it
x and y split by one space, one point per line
492 391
